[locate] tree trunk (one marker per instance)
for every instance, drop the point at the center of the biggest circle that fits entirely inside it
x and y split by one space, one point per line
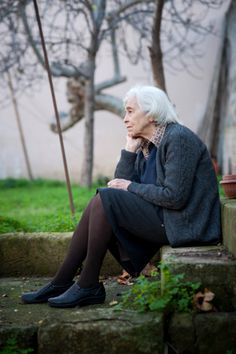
216 148
87 164
218 129
19 125
209 126
155 49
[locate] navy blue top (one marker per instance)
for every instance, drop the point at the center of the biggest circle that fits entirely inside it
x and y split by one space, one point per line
149 172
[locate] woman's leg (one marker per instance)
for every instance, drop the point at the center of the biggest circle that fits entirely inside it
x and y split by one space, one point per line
90 243
99 236
77 250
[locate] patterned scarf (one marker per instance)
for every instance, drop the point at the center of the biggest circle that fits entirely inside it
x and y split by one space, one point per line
155 139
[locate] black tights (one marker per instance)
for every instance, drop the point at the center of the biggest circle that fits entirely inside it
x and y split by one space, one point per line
89 245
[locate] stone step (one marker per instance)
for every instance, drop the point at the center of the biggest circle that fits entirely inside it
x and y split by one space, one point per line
101 329
228 213
40 254
213 266
91 329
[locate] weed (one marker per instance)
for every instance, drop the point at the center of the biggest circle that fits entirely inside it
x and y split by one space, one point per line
150 295
11 347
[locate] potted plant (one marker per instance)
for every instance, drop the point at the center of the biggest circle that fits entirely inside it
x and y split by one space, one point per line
229 185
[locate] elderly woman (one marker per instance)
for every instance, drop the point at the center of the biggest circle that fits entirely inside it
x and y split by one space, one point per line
164 192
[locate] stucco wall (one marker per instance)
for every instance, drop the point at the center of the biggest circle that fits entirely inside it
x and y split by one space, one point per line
189 94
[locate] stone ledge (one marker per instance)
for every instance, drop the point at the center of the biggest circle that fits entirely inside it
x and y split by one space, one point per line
210 333
90 329
103 331
212 266
228 207
100 329
40 254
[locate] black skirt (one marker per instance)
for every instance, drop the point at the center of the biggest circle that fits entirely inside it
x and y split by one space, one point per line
137 226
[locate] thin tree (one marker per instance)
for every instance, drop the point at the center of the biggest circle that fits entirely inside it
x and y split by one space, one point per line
218 128
19 125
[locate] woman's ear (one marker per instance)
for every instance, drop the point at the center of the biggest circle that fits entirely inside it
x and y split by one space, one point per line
151 120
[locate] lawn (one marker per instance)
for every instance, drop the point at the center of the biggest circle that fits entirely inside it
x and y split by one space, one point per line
40 205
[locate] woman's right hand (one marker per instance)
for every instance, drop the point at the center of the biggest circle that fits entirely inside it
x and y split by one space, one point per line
132 144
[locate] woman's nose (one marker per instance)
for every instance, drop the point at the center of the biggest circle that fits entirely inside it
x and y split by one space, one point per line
125 118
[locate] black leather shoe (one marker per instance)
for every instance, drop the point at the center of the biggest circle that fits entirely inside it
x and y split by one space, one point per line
43 294
79 296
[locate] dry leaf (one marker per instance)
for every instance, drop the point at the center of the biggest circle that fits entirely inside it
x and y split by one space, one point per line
206 306
124 281
202 301
148 270
208 295
113 302
124 278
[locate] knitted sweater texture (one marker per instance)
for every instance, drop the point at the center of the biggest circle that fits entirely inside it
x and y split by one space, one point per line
186 187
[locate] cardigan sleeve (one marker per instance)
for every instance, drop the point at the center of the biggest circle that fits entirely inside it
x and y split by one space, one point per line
180 156
126 166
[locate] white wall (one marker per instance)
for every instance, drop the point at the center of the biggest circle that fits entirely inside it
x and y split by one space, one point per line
189 95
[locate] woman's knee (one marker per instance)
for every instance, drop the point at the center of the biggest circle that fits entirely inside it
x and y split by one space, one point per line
96 204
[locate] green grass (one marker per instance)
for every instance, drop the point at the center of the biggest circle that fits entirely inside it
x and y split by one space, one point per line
40 205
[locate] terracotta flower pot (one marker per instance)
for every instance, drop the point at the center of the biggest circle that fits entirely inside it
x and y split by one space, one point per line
229 178
229 185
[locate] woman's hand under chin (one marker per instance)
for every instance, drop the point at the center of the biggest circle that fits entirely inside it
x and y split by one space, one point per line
132 143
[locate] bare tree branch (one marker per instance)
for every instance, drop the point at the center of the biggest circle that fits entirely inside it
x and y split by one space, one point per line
110 83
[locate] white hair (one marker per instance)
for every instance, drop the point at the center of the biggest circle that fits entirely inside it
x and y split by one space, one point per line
154 102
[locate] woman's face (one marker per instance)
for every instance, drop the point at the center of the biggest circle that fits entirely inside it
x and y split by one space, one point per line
137 122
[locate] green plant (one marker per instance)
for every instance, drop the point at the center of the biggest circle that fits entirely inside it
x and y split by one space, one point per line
221 190
174 295
11 347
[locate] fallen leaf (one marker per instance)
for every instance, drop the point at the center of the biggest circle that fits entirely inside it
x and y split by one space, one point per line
208 295
124 278
124 281
206 306
148 270
202 301
113 302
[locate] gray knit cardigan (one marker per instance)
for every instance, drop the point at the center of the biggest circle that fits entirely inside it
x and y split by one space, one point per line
186 187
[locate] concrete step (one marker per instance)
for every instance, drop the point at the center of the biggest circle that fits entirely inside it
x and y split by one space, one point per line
213 266
40 254
101 329
91 329
228 214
